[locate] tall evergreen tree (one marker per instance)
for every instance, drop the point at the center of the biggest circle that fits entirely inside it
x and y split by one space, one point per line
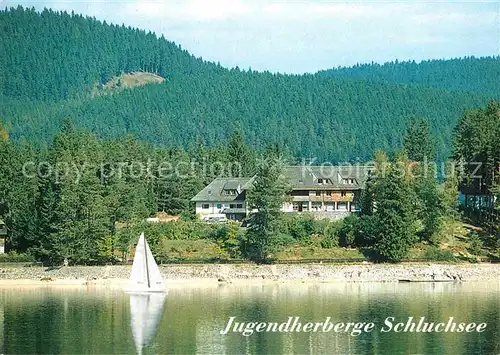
240 156
396 229
477 146
266 198
418 141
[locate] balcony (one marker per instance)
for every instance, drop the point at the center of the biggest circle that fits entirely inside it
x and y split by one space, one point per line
316 198
339 198
300 198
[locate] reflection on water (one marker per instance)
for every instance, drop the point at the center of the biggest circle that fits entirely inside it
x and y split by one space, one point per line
146 311
52 320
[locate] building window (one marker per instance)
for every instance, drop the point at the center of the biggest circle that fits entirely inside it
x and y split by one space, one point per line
239 205
232 205
328 193
343 194
318 193
205 206
219 205
324 181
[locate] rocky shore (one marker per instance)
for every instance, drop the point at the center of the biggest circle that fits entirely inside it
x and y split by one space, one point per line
219 273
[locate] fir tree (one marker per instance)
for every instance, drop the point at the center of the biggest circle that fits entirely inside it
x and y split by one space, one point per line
395 217
418 141
266 197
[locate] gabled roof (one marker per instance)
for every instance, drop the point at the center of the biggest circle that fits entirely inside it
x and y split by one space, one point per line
306 176
299 178
215 190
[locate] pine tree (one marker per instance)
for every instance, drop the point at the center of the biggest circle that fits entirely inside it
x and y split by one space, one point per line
395 217
266 197
418 141
240 156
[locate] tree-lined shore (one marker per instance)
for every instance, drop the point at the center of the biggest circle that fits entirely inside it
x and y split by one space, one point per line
86 155
72 203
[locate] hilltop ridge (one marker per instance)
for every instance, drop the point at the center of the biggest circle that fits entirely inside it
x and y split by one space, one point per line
51 62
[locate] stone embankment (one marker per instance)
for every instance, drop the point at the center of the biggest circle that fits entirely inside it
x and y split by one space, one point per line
305 272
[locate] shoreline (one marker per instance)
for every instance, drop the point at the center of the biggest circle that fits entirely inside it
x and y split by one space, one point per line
215 274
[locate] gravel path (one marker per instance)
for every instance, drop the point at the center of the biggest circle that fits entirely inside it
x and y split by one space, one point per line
310 272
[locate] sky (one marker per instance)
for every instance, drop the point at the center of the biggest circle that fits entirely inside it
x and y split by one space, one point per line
306 36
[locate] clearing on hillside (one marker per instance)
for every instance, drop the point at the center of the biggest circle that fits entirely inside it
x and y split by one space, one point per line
130 80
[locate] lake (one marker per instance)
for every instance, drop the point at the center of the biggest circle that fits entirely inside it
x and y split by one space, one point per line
51 320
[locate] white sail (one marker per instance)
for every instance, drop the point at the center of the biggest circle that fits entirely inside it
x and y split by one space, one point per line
145 275
146 310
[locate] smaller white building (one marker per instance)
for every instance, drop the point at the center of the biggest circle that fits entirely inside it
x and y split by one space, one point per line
223 196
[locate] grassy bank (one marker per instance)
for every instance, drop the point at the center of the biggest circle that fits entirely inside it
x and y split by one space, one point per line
302 240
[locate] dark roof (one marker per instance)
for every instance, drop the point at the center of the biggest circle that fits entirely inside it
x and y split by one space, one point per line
299 177
306 177
215 190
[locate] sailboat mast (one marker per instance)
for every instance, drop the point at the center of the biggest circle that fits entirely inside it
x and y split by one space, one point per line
146 259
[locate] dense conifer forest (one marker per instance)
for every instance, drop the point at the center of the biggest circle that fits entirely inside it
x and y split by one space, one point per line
82 166
54 65
470 74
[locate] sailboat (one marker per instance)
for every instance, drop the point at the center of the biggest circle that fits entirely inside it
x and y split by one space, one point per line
147 295
145 276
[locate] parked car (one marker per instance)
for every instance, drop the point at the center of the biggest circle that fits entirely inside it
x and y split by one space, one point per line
215 219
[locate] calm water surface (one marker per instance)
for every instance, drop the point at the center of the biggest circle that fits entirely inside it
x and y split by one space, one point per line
189 320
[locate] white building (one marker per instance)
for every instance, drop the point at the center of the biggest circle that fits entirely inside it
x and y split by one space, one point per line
325 191
224 196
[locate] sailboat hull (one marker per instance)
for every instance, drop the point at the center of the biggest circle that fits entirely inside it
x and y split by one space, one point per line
143 292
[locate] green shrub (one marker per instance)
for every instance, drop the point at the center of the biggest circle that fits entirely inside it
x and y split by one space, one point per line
438 254
13 257
230 239
366 231
330 238
156 232
188 250
347 232
283 239
301 227
476 244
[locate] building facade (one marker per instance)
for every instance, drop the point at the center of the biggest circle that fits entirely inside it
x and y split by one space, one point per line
324 191
328 191
224 196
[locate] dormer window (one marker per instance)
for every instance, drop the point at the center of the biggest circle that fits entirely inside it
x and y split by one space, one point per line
230 192
349 181
324 181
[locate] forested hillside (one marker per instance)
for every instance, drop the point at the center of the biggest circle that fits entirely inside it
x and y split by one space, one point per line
52 63
472 74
